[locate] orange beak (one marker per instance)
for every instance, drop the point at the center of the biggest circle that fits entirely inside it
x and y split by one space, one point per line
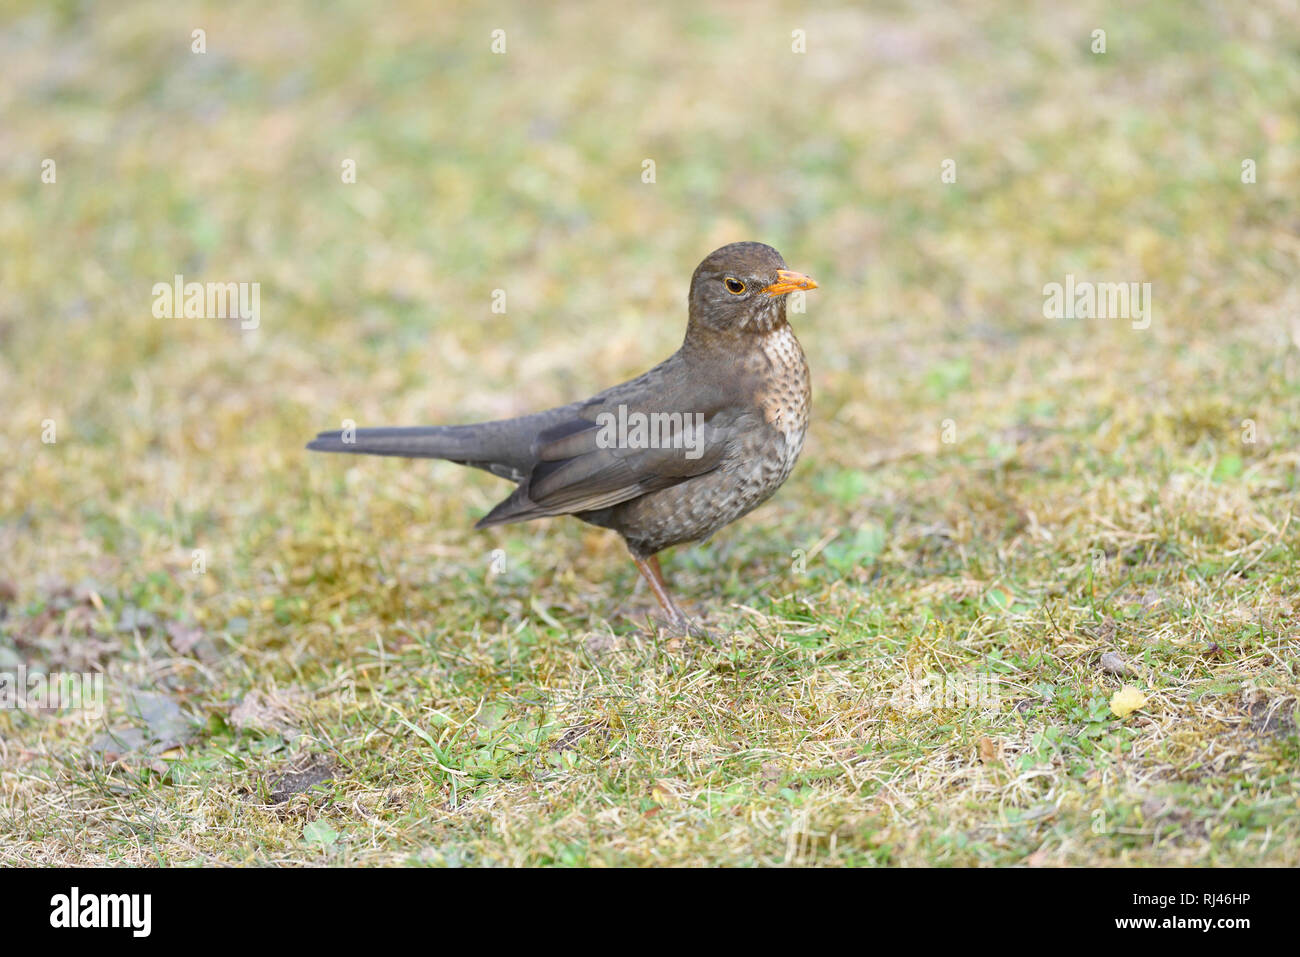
787 281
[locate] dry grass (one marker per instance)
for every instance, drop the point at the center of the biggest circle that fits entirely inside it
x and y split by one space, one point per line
365 688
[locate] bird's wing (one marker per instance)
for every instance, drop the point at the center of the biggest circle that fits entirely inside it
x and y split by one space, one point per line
613 451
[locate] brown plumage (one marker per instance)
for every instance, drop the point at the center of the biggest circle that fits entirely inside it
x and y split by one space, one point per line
668 457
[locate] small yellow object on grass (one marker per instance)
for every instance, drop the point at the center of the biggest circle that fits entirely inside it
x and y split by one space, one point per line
1127 700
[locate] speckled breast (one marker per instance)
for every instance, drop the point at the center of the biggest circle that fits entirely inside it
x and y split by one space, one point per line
759 460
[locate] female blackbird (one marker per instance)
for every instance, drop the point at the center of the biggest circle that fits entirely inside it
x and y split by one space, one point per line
669 457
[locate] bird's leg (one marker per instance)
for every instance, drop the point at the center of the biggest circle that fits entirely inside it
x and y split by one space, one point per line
649 568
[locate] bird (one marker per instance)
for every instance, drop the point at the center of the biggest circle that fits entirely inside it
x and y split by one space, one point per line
666 458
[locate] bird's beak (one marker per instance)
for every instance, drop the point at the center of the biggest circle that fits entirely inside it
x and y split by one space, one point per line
787 281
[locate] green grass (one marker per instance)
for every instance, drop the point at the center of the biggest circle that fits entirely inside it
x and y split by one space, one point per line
910 633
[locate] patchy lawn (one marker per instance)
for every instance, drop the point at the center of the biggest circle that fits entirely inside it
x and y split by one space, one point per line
308 659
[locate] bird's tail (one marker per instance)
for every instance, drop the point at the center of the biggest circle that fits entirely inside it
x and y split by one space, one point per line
420 442
504 448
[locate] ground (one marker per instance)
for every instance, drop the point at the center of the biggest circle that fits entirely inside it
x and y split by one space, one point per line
314 659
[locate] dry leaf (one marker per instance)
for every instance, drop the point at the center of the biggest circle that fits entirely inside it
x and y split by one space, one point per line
1127 700
770 775
1037 859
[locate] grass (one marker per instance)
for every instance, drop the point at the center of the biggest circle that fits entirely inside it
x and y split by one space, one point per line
309 660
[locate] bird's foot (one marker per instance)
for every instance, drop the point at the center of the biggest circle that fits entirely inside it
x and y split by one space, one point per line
683 627
677 622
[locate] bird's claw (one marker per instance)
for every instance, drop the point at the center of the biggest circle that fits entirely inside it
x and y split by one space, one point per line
683 627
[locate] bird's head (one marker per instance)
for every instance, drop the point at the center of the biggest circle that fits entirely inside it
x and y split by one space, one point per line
742 288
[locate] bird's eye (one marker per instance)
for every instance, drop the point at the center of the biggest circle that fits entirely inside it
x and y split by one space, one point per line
735 286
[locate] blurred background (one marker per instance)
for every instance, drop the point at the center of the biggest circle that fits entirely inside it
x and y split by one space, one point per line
822 129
